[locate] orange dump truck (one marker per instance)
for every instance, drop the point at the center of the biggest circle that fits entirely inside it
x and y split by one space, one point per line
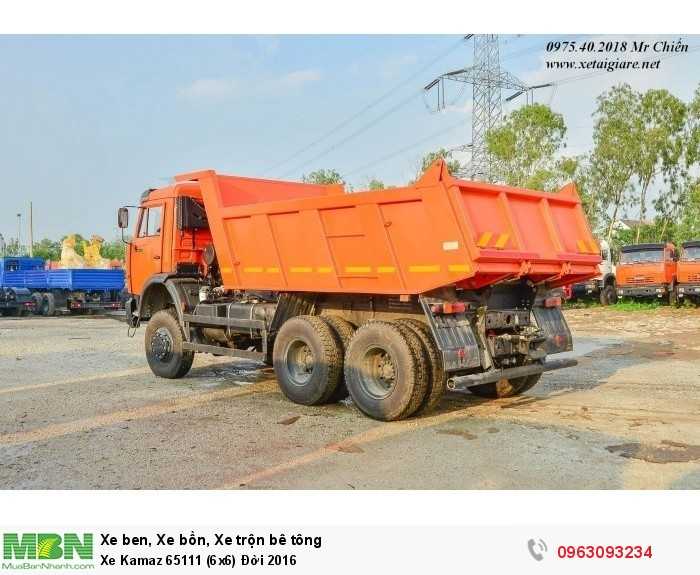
390 296
688 272
647 271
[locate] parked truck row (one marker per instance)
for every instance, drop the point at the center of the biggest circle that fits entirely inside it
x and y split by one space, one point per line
390 296
26 286
646 271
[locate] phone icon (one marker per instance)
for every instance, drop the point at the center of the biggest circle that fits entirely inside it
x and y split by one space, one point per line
537 548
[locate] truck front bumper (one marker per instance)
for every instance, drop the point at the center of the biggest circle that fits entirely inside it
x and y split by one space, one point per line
584 289
464 382
642 291
688 290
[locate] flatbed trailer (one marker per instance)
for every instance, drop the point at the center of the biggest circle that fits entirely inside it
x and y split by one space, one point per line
392 296
56 291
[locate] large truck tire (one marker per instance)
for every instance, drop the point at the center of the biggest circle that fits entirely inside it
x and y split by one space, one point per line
437 379
164 342
38 299
48 304
344 330
308 360
506 387
385 370
673 295
608 295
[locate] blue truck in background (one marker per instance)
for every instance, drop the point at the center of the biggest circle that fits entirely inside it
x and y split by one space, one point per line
26 286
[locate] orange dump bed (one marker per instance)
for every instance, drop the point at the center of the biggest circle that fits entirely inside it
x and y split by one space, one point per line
441 231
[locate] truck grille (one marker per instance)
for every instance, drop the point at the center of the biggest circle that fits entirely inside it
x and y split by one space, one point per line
694 277
640 280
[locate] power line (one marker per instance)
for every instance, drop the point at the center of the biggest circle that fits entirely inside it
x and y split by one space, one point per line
372 123
405 149
368 107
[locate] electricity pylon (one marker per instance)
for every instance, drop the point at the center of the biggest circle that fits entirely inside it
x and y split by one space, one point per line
487 79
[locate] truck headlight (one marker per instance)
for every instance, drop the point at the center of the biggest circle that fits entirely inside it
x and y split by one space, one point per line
659 290
681 290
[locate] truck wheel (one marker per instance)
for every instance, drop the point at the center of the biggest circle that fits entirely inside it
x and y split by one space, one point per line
164 339
344 330
48 304
608 295
38 300
437 380
385 370
506 387
308 360
673 296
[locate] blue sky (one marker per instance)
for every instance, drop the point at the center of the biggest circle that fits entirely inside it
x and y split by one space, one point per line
89 122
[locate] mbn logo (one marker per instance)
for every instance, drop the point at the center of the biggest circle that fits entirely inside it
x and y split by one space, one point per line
46 546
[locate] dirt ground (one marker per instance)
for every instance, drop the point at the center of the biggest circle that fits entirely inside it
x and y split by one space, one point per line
79 408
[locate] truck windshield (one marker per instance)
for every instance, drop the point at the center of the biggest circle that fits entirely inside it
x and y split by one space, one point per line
691 254
642 256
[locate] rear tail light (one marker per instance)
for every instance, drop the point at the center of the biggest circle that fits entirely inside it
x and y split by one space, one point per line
449 307
552 302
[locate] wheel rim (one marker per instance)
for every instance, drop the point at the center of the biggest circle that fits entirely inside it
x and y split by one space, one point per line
299 362
162 345
379 373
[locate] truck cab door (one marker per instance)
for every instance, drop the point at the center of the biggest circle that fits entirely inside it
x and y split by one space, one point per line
146 248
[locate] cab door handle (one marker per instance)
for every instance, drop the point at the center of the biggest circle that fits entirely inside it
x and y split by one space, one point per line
138 249
156 257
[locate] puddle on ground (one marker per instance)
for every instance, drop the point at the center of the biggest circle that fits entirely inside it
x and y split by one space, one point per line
458 433
666 452
585 345
235 373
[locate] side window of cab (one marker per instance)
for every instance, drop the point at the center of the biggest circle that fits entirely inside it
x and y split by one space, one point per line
150 223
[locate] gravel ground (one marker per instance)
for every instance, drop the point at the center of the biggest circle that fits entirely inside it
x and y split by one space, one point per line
80 409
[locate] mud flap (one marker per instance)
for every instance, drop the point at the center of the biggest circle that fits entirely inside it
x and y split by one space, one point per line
551 321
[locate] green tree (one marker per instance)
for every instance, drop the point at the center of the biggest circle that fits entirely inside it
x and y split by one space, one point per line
323 177
47 249
525 148
375 184
660 127
453 165
615 150
113 250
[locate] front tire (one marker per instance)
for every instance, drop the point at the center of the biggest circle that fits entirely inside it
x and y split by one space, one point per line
506 387
164 343
308 360
608 295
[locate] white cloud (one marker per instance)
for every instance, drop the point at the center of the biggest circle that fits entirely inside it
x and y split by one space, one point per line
210 89
298 78
218 89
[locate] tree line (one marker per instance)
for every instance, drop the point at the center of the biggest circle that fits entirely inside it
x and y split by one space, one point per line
49 249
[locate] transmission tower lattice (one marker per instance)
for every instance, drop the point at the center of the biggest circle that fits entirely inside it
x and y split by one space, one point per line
487 80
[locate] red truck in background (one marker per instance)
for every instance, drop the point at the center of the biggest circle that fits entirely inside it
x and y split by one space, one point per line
647 271
688 273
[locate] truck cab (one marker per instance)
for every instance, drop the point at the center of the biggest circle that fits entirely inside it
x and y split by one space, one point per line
647 271
602 286
688 273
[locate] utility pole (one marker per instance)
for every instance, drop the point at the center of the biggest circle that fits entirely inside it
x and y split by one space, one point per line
487 79
31 231
19 234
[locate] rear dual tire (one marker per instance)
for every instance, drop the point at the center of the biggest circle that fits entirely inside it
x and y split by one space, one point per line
386 370
308 360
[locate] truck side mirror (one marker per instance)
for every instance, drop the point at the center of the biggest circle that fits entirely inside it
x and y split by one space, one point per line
123 218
